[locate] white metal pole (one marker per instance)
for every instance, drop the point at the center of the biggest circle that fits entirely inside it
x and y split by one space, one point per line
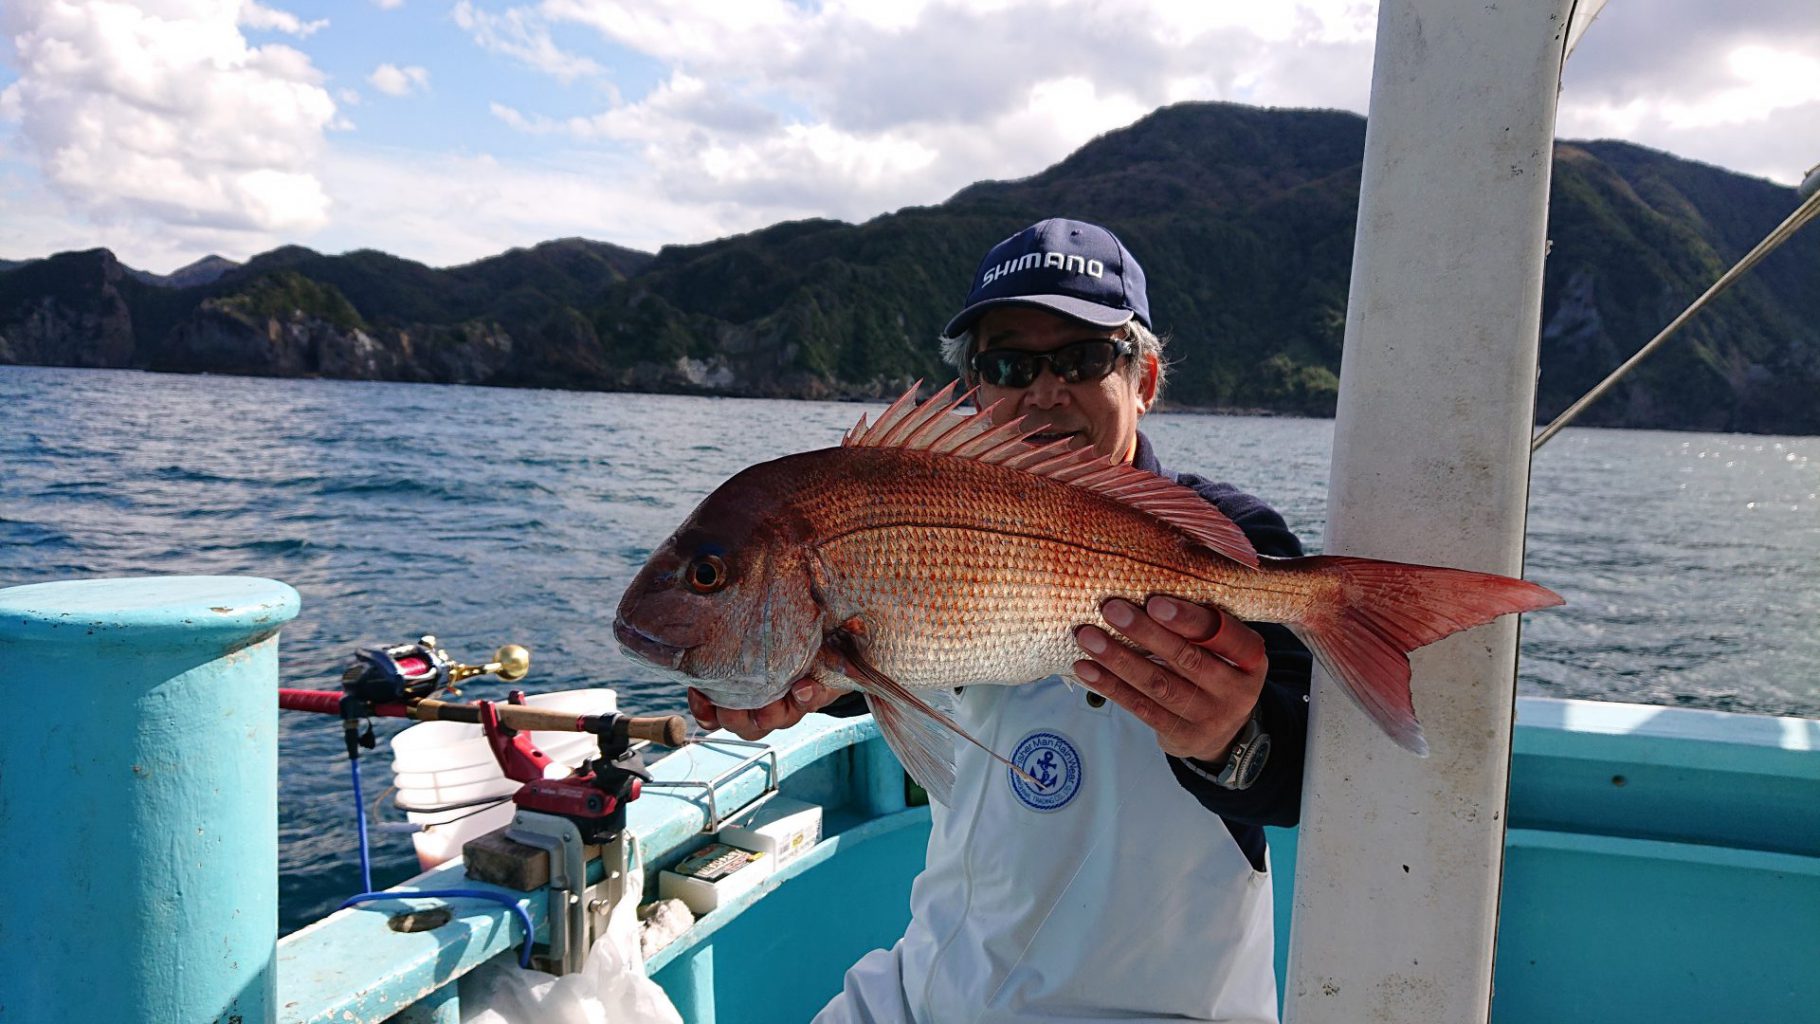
1399 858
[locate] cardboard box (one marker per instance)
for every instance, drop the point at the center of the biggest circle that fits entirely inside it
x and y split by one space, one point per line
785 829
712 875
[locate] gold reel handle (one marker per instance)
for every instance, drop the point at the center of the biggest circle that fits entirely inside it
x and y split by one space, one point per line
510 663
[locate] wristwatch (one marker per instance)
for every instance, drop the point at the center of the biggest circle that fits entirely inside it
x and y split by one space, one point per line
1246 761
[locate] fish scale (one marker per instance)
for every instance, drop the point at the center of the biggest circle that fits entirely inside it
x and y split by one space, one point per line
933 551
944 624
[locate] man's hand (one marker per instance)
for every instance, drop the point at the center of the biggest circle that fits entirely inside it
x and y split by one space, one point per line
804 696
1196 688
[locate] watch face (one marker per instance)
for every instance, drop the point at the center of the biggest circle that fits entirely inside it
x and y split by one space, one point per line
1252 764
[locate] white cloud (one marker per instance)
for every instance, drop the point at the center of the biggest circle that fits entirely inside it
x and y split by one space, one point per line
851 108
1762 80
747 112
254 16
396 81
39 221
388 5
724 34
679 105
523 34
453 207
167 116
1736 87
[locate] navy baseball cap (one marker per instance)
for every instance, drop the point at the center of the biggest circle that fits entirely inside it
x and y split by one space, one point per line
1071 267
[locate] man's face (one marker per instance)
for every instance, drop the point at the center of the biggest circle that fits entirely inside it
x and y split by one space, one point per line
1101 414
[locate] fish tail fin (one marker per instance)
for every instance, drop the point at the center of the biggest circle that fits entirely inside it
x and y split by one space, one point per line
1384 610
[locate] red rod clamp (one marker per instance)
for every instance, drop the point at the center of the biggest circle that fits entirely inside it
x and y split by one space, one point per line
521 761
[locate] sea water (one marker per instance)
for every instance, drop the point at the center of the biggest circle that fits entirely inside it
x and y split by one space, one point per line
1690 562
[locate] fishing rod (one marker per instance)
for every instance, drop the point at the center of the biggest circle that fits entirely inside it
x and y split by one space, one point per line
398 682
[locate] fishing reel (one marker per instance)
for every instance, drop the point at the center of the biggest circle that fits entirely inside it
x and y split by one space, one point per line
410 672
384 680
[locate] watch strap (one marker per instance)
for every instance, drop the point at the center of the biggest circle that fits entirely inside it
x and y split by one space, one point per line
1243 762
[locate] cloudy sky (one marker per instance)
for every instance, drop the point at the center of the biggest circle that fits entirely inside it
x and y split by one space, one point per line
444 132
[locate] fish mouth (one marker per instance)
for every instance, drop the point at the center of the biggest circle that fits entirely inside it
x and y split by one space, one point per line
647 647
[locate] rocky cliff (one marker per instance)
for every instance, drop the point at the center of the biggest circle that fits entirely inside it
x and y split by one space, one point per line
1243 217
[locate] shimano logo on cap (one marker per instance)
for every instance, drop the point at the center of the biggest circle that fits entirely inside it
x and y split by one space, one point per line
1069 267
1036 260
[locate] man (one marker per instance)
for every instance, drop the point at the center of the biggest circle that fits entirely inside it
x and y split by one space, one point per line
1104 890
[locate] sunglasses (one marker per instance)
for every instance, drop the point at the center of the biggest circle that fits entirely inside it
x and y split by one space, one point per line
1071 364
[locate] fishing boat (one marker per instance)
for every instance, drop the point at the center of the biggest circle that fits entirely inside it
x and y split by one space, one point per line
1554 860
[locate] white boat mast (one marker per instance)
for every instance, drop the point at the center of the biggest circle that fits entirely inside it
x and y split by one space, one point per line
1399 859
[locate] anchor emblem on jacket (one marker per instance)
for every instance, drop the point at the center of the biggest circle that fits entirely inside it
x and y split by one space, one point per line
1044 771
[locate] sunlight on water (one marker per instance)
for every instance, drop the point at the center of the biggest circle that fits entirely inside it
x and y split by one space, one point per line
1691 563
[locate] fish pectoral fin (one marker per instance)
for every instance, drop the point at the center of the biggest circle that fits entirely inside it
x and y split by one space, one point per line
921 734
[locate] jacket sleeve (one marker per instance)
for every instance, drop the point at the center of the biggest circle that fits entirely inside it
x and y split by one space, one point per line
1276 797
847 705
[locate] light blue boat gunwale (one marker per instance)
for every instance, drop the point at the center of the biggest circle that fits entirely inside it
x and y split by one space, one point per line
1737 769
332 970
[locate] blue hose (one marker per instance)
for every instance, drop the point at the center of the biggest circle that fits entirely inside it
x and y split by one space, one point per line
360 820
366 879
524 917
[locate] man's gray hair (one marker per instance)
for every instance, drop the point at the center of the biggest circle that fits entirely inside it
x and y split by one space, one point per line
958 352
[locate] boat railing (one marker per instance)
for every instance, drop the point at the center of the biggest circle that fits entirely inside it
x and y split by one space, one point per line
1665 832
364 963
1659 863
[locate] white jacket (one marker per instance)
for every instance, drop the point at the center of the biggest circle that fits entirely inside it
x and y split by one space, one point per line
1109 894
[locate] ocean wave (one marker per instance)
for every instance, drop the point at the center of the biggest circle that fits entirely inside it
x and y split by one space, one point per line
397 522
186 475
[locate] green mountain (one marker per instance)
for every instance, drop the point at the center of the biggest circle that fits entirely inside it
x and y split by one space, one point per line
1638 235
1243 218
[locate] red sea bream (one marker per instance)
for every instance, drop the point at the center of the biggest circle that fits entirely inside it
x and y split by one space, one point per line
933 550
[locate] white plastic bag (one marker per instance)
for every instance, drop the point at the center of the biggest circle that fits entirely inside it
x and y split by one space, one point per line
610 988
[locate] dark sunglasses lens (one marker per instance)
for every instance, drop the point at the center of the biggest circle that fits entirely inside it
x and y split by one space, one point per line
1083 360
1003 368
1087 360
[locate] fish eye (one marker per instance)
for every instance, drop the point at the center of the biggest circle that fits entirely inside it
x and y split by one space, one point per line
707 574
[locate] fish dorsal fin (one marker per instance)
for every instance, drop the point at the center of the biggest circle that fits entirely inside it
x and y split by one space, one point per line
931 426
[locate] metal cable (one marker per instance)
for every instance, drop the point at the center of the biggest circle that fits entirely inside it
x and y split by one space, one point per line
1803 213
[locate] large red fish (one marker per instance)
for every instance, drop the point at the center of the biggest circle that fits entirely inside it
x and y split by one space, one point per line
932 551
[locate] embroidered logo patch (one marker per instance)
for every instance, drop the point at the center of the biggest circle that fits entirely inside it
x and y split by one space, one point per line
1050 759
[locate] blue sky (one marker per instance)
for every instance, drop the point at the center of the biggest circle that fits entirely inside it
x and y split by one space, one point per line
448 131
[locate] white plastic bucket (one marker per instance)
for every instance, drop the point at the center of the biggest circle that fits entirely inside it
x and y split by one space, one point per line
435 764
